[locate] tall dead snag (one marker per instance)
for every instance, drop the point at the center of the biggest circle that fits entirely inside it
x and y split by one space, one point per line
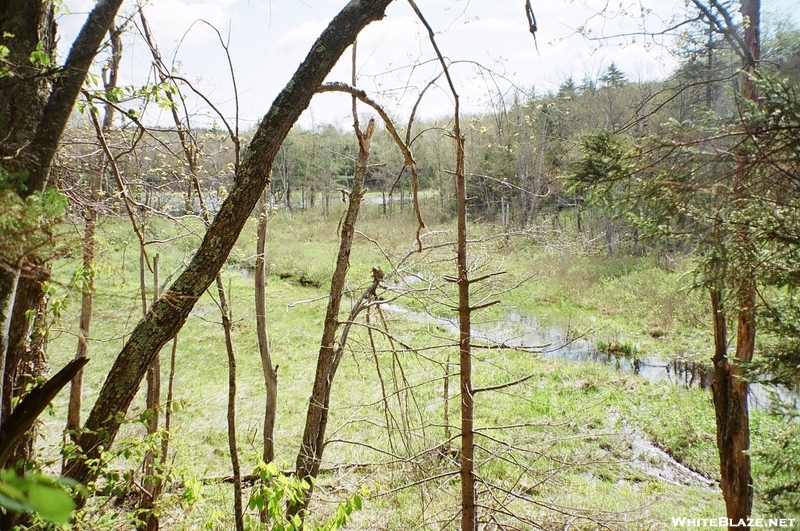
468 498
167 316
729 389
467 469
467 473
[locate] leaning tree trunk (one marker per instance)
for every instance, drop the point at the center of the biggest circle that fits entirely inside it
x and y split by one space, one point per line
168 314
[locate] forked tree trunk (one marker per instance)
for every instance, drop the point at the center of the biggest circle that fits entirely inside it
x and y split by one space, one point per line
167 316
309 457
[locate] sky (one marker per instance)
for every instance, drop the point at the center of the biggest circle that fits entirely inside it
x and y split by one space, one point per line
488 42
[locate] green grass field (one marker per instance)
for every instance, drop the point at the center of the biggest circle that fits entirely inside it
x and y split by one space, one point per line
576 444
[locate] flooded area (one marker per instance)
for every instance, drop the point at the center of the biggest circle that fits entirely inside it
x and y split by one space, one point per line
522 331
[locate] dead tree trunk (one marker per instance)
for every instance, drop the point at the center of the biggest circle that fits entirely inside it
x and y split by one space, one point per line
729 393
468 499
309 457
467 469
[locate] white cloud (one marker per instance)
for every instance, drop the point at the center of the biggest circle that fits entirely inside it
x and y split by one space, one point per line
179 20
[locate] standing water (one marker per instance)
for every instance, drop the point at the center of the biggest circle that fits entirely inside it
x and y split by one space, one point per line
517 330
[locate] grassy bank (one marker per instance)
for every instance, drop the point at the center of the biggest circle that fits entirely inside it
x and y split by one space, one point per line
572 443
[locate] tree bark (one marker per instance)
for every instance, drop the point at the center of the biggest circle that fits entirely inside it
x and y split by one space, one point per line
33 114
168 315
25 357
66 87
23 95
22 99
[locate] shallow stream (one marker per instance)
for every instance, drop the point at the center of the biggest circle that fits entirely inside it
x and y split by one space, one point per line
517 330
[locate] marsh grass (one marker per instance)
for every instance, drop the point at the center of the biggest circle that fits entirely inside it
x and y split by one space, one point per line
560 439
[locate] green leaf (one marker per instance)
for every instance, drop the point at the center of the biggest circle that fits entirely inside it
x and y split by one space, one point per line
52 503
13 499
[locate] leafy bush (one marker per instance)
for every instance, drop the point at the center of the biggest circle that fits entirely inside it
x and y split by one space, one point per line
38 495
